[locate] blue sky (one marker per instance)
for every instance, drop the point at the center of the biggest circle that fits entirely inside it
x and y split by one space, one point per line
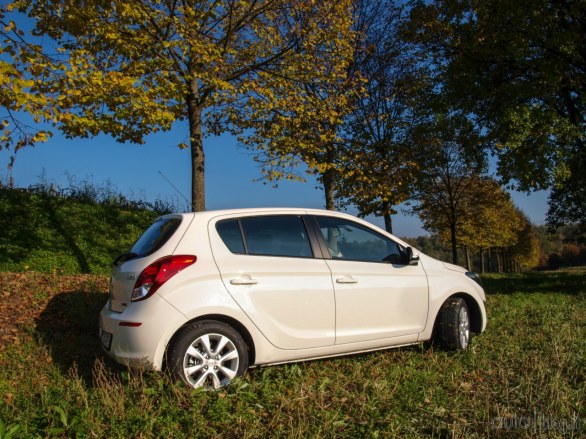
230 174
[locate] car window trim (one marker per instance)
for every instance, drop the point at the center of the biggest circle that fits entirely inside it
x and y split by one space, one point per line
242 237
321 247
314 237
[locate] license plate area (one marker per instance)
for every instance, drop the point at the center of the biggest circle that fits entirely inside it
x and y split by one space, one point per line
106 339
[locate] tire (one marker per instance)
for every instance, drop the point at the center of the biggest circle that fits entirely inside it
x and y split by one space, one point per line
453 329
208 354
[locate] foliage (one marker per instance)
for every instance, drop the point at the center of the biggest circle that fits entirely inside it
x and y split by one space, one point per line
376 176
535 248
489 217
527 368
450 173
22 63
131 68
567 200
432 246
304 125
557 244
362 155
527 250
476 214
46 230
519 69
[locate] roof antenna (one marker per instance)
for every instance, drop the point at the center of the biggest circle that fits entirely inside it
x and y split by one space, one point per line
178 191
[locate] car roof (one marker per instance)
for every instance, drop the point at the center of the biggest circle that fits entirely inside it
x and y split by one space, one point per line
262 210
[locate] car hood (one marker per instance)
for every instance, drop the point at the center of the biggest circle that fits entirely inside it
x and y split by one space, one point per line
453 267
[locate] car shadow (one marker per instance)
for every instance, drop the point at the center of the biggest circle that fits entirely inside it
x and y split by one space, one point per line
68 326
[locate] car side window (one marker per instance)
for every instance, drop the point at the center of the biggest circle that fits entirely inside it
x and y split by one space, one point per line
276 236
229 231
283 235
347 240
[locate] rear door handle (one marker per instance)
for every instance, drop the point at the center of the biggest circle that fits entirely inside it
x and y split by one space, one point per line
246 280
346 280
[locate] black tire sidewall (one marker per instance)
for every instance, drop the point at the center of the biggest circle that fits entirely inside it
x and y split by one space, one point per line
448 324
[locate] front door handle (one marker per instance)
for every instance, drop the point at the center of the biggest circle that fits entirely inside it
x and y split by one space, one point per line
346 280
245 280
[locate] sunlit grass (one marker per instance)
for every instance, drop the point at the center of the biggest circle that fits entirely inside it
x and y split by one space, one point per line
525 372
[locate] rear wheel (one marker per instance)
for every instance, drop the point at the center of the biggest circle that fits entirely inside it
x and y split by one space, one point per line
453 330
208 354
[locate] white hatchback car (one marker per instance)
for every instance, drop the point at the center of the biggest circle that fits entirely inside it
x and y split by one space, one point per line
206 295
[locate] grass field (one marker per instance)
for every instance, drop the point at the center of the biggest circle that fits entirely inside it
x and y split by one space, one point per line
524 377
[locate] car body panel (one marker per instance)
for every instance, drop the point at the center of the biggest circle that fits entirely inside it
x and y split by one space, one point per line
385 301
143 345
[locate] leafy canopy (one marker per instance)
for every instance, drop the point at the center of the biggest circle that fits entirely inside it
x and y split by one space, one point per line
21 63
130 68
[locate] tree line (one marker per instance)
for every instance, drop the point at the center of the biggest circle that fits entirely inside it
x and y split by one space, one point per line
563 248
386 102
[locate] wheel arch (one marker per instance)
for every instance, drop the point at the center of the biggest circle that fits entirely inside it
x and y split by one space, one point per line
473 309
239 327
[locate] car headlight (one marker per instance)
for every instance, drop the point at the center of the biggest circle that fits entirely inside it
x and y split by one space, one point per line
474 277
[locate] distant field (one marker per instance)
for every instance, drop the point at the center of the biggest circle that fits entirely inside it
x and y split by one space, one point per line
524 377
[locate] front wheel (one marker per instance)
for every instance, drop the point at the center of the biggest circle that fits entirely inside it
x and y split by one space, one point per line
453 330
208 354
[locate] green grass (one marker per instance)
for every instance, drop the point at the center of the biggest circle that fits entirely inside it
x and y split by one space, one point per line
48 233
523 377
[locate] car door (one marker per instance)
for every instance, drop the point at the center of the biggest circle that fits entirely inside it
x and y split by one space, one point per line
267 264
378 294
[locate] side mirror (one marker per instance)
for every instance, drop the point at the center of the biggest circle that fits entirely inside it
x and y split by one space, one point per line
410 258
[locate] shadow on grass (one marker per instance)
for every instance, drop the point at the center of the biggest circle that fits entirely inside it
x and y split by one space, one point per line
563 282
69 328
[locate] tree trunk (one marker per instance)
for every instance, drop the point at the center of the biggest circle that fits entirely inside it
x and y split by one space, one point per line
195 110
481 261
454 243
387 212
468 263
388 222
328 182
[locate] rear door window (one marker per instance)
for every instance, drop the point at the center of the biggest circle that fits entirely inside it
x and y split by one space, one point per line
281 235
155 236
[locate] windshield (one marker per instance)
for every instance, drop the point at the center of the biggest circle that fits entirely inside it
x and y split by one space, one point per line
155 236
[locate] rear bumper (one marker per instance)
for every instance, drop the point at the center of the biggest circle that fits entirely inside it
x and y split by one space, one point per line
139 334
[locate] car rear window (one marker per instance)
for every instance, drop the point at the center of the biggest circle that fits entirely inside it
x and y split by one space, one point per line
155 236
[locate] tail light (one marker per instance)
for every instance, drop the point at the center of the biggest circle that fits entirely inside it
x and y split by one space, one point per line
159 272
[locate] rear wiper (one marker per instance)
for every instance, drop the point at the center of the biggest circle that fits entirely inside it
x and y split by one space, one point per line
124 257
